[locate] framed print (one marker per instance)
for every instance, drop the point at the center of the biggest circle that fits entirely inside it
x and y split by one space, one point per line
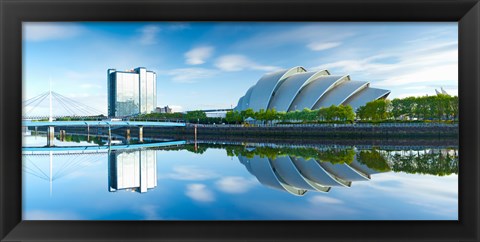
251 121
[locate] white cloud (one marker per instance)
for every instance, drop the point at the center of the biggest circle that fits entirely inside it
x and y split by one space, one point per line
319 46
235 184
322 200
149 34
433 196
48 31
191 173
199 192
405 67
426 74
89 86
149 211
190 75
296 35
198 55
176 108
240 62
178 26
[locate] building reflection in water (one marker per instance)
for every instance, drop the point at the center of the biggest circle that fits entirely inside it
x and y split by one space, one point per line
132 170
136 170
298 175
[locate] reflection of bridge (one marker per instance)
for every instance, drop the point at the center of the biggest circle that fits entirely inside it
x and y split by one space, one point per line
127 170
99 123
99 148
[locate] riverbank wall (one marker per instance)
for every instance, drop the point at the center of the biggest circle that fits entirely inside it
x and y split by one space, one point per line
312 131
429 130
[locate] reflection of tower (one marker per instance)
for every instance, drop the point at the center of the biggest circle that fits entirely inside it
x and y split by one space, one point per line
298 175
132 170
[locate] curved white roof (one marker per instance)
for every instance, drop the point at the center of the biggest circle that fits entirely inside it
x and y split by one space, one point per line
286 93
296 89
240 104
315 90
366 95
339 94
246 99
263 90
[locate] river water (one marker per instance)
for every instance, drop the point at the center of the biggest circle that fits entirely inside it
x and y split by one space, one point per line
237 181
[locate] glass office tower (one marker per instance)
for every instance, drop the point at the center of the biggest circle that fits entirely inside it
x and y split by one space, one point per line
131 92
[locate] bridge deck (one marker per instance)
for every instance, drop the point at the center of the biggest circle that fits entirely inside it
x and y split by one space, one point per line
96 148
100 123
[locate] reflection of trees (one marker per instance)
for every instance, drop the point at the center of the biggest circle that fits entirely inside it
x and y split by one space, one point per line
432 163
332 155
374 160
79 138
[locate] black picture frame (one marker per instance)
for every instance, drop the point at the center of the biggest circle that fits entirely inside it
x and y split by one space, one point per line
13 12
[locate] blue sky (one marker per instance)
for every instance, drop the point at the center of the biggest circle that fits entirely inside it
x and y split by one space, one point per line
211 65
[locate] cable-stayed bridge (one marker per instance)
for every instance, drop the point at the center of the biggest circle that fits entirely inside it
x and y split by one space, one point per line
61 107
57 106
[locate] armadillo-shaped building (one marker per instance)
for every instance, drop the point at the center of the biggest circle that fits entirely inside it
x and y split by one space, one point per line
297 88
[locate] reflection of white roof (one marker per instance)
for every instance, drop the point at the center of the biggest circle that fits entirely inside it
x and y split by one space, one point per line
297 175
362 167
296 89
313 171
262 170
285 168
344 171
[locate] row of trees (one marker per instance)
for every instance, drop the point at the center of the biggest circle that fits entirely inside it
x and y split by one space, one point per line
329 114
438 107
197 116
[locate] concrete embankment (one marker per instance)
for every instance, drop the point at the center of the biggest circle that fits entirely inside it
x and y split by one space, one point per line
330 131
327 131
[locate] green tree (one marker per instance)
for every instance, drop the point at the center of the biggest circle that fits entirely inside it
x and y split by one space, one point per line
233 117
247 113
196 116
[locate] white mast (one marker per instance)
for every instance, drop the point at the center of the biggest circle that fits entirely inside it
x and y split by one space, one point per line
51 169
50 118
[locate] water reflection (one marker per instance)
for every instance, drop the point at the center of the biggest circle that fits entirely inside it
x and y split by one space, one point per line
295 170
132 170
219 180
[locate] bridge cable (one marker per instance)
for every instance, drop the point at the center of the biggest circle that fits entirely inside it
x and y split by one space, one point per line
68 109
81 105
33 99
43 98
66 103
